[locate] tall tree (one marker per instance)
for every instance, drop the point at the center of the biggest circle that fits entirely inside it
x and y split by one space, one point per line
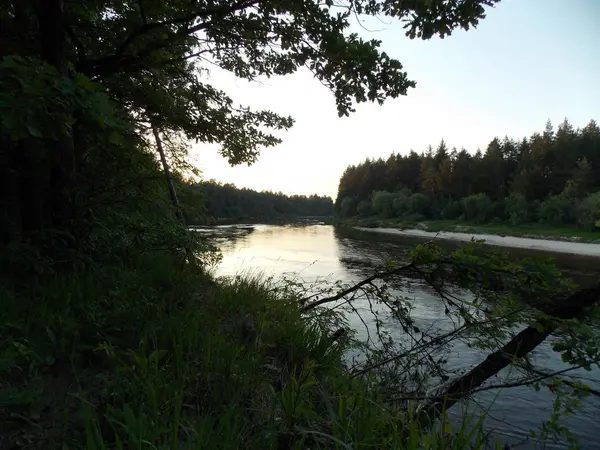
148 57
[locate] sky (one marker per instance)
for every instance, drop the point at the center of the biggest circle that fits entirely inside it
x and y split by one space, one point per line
528 61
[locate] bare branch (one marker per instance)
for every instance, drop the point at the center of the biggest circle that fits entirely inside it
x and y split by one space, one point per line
519 346
357 286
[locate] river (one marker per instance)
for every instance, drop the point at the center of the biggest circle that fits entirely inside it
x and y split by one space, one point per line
320 253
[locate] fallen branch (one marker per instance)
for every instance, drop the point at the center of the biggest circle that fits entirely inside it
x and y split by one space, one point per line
518 347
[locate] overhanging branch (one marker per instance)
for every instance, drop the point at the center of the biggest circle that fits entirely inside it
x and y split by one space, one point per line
524 342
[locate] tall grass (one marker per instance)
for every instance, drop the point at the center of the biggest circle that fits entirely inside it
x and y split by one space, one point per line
154 354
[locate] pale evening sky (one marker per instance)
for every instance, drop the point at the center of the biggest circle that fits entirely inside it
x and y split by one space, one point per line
528 61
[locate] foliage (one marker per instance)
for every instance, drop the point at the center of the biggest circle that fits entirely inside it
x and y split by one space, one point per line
556 210
453 210
364 209
419 204
383 203
487 297
131 360
112 333
348 207
126 68
517 208
225 201
546 168
589 212
478 208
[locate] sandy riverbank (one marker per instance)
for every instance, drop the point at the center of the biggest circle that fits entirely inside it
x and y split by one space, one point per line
574 248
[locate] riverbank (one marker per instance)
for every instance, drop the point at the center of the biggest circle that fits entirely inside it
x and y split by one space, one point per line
548 245
527 230
152 353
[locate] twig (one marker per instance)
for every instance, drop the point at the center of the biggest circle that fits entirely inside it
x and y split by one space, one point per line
357 286
519 346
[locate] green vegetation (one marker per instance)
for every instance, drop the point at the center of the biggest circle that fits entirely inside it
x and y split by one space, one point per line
550 179
113 332
226 202
155 355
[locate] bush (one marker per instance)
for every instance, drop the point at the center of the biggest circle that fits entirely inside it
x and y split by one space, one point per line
400 203
517 209
383 203
453 210
419 204
589 212
478 208
556 210
364 208
498 211
348 207
414 218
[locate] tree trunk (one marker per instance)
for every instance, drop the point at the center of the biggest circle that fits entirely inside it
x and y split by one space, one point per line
62 153
518 347
171 187
10 196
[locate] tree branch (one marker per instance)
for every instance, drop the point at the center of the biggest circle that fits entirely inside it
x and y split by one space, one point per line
111 64
81 53
519 346
357 286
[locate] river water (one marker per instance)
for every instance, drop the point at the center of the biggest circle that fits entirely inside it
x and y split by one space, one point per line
317 254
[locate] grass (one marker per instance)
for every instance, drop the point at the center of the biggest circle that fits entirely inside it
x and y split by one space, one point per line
154 355
534 230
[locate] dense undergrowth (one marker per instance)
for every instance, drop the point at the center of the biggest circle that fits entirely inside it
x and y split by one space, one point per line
157 354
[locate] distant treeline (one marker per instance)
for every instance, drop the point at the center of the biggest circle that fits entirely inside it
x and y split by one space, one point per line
226 201
551 177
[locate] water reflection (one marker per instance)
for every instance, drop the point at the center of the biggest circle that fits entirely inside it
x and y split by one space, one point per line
318 253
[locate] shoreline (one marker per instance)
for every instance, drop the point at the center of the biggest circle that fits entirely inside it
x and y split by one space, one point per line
548 245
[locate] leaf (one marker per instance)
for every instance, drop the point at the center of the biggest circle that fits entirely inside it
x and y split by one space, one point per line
34 131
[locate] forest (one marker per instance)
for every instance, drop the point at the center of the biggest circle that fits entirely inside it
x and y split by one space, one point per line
226 201
552 177
115 331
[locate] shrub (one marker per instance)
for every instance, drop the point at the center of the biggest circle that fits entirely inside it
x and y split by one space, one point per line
498 211
348 207
478 208
364 208
556 210
453 210
383 203
400 203
589 212
415 218
419 204
517 209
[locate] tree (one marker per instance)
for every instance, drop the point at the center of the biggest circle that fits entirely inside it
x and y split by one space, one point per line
462 175
503 293
364 208
348 207
556 210
518 176
589 212
494 170
226 201
383 203
477 207
517 208
581 181
148 59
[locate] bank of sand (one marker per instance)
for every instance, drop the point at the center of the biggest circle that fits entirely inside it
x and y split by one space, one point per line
574 248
